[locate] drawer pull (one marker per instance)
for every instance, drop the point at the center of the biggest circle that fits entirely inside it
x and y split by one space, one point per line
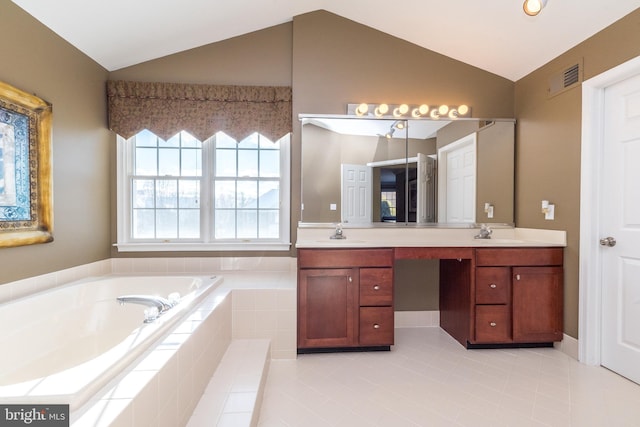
376 287
493 324
376 326
493 286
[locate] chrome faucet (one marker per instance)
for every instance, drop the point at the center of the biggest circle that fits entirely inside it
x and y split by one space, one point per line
338 233
159 303
485 232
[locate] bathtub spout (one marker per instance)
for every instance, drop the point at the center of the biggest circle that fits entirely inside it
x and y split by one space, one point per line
162 304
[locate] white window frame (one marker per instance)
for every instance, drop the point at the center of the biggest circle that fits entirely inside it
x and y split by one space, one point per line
124 170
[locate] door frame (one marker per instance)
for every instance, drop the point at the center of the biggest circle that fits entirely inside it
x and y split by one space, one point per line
590 264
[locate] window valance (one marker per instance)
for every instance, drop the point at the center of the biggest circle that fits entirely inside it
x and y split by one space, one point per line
200 109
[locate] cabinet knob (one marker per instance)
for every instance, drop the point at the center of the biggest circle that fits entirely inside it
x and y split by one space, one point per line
376 287
493 324
376 326
493 286
350 279
517 277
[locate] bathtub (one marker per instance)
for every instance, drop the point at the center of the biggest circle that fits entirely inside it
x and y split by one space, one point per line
63 345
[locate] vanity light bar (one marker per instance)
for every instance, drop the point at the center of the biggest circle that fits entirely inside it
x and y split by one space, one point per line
409 111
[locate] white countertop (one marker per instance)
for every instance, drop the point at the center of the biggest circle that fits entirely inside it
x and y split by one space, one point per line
319 237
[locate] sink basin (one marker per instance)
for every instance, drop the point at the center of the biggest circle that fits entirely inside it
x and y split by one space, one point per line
499 241
340 241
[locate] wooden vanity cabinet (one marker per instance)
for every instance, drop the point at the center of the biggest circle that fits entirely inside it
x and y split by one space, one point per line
518 296
345 298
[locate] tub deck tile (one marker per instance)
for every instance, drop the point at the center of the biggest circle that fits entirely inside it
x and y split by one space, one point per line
234 394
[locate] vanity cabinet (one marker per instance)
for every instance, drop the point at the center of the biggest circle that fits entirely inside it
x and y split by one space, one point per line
345 298
518 296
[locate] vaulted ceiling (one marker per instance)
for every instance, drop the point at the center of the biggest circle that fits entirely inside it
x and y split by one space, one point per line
494 35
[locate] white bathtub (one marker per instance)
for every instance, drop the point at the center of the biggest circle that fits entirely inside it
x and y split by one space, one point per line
63 345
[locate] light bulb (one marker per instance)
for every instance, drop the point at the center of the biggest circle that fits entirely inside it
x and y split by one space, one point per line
381 110
443 109
362 109
533 7
463 110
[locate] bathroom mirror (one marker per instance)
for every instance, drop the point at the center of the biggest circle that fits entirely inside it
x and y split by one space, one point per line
367 171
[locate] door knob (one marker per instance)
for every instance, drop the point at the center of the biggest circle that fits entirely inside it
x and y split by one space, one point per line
608 241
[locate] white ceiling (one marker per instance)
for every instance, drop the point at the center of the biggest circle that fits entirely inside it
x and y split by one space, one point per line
494 35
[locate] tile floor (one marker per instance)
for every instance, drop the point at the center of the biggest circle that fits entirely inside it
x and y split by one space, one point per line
428 379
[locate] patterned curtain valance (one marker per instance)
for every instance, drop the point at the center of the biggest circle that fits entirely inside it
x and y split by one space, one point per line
202 110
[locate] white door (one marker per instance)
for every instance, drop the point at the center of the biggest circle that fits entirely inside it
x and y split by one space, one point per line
457 181
356 194
620 221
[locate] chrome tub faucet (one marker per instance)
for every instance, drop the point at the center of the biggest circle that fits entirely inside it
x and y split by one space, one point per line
158 305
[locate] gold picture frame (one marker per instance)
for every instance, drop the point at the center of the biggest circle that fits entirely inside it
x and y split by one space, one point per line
26 188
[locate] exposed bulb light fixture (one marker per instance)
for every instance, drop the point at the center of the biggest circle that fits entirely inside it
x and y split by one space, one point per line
533 7
409 111
389 134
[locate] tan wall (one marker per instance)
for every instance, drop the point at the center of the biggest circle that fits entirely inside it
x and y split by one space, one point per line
337 62
548 144
258 58
37 61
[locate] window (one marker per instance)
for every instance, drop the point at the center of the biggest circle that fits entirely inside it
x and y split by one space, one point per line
219 194
388 204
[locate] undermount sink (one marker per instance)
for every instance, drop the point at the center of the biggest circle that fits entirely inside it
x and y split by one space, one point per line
499 241
345 240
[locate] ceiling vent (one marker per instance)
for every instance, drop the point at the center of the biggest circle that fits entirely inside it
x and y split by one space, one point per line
565 79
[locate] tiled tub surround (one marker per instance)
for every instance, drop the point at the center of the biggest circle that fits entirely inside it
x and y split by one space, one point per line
163 386
105 337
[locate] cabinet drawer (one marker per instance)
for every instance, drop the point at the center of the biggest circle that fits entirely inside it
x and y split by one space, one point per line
493 323
493 285
376 326
376 286
343 258
519 256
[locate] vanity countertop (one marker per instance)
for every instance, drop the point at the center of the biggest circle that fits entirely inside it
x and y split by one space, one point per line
319 237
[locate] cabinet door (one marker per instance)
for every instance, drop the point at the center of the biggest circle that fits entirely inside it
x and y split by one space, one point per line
327 307
537 304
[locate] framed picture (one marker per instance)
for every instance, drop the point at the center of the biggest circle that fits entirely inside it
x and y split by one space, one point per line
26 209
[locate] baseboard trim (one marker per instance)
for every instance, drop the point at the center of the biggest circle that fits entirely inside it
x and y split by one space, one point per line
416 319
568 345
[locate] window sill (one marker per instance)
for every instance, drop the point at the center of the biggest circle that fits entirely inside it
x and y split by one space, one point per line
201 247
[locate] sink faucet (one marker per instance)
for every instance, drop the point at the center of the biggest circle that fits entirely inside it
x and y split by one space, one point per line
485 232
159 303
338 233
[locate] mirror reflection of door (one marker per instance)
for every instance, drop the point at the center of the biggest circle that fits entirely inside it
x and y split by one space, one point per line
356 194
457 178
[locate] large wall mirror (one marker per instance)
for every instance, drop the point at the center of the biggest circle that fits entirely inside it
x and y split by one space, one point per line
366 171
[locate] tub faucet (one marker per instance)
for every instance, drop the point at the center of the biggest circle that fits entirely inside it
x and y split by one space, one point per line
162 304
485 232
